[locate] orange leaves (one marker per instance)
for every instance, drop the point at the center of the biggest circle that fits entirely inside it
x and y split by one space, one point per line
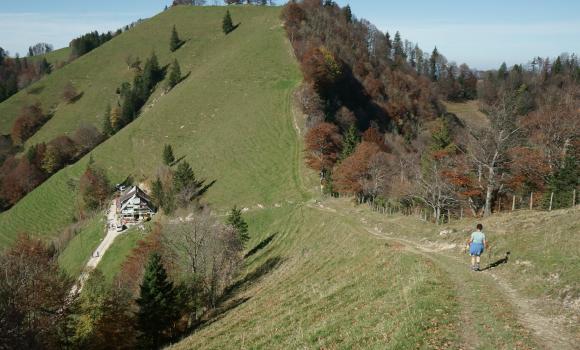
321 68
323 145
31 119
349 175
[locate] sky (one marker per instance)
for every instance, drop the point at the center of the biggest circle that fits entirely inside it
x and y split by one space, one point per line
480 33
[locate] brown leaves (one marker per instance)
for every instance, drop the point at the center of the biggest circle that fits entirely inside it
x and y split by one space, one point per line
349 175
35 292
323 146
31 118
321 68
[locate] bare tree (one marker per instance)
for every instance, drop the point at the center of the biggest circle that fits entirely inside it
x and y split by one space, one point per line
205 250
433 188
488 147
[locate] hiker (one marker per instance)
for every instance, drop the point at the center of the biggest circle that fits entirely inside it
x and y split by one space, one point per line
477 244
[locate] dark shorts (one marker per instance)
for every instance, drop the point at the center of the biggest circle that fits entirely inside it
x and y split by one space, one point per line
475 249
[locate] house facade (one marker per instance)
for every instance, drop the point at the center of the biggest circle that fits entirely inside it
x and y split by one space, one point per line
134 205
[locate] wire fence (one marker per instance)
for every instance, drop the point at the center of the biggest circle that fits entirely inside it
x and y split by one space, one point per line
546 201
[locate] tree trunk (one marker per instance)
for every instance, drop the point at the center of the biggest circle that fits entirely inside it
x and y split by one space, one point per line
489 191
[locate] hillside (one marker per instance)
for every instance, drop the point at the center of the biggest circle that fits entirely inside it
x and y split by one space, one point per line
318 272
251 69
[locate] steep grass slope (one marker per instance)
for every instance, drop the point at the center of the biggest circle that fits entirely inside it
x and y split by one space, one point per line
230 118
318 280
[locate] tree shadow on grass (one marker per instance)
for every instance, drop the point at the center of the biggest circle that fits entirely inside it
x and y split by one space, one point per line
260 245
227 302
254 276
184 77
77 97
35 90
496 263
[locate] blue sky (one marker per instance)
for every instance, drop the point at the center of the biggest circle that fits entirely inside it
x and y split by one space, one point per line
480 33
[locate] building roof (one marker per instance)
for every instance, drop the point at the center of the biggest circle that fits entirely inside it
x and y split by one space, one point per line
134 191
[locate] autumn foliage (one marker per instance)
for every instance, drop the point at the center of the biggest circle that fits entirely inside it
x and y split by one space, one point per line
323 145
31 118
34 290
351 173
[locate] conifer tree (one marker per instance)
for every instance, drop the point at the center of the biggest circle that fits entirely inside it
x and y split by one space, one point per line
152 72
433 72
174 75
157 304
563 183
45 67
227 24
174 42
557 67
157 193
351 139
107 124
168 157
183 177
398 46
235 219
348 14
502 72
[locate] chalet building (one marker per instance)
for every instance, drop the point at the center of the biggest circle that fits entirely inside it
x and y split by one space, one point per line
134 205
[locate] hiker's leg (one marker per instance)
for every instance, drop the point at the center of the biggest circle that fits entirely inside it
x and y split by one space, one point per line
472 262
478 259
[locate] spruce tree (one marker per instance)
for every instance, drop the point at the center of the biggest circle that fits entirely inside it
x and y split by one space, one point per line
557 67
152 72
351 140
174 42
107 124
157 304
183 177
433 65
398 46
168 157
563 183
174 75
502 72
157 193
235 219
227 24
45 67
348 14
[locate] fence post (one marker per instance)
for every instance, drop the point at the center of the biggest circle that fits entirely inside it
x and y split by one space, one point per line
499 205
531 200
513 202
461 213
551 200
574 198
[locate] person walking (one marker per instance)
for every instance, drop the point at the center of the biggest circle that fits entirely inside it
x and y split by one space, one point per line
477 245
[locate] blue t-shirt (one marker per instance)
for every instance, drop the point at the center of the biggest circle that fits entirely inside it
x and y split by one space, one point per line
478 237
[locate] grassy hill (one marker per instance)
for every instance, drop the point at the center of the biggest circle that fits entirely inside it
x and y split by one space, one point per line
317 274
237 84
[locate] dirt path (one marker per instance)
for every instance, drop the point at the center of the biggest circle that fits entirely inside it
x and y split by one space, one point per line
97 255
492 313
485 298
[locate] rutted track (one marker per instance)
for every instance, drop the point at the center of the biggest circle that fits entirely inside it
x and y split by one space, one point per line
492 311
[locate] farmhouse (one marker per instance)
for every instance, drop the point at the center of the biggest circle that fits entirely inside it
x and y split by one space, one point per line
134 205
